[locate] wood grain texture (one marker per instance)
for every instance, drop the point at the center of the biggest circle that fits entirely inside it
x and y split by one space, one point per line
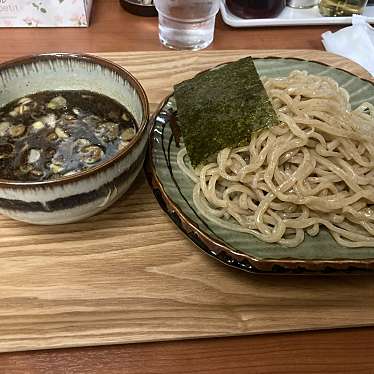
113 29
341 352
128 274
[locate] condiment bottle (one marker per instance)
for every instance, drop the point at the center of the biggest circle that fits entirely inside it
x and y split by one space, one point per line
256 8
301 4
341 8
144 8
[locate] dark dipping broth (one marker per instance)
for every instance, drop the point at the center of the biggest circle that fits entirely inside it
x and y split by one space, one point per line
52 134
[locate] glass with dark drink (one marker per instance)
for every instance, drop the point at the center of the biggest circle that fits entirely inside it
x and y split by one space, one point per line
256 8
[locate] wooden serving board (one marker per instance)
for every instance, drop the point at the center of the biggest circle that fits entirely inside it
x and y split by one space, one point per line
128 274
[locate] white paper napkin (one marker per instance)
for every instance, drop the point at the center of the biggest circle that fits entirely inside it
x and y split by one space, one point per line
355 42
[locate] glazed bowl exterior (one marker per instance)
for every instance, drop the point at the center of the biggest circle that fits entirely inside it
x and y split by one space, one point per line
84 194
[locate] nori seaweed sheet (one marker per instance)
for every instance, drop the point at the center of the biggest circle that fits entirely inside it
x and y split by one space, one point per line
221 108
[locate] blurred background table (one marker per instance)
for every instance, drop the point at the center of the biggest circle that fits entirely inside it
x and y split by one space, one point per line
335 351
113 29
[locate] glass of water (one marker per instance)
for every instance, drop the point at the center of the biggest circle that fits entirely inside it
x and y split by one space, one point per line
186 24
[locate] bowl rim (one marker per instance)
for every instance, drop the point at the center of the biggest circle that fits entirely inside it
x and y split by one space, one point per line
106 63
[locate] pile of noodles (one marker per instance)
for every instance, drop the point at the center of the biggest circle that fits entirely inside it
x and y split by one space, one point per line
315 169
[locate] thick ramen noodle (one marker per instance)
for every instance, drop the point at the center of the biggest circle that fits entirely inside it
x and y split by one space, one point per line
315 169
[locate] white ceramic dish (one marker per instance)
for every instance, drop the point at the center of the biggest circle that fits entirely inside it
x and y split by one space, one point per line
291 17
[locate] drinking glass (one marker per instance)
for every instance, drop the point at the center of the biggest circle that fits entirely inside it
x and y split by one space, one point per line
186 24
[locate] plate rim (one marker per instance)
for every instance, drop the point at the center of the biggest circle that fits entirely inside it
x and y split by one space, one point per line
220 250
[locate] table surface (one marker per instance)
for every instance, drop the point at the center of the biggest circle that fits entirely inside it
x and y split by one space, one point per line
335 351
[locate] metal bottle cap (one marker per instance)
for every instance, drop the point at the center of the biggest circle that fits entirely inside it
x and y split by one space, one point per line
302 3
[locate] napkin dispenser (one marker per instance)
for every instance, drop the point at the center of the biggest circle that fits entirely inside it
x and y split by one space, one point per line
45 13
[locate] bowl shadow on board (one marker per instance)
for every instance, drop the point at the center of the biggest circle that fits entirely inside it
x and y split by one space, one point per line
323 301
111 226
317 291
230 267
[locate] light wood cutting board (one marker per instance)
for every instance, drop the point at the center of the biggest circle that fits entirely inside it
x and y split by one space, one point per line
128 274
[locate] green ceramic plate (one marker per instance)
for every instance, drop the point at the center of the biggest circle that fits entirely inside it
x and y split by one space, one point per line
173 190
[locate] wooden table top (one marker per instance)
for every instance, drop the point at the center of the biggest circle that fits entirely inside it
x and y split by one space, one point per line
335 351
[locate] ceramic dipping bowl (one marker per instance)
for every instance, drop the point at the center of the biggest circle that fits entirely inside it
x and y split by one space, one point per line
72 198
